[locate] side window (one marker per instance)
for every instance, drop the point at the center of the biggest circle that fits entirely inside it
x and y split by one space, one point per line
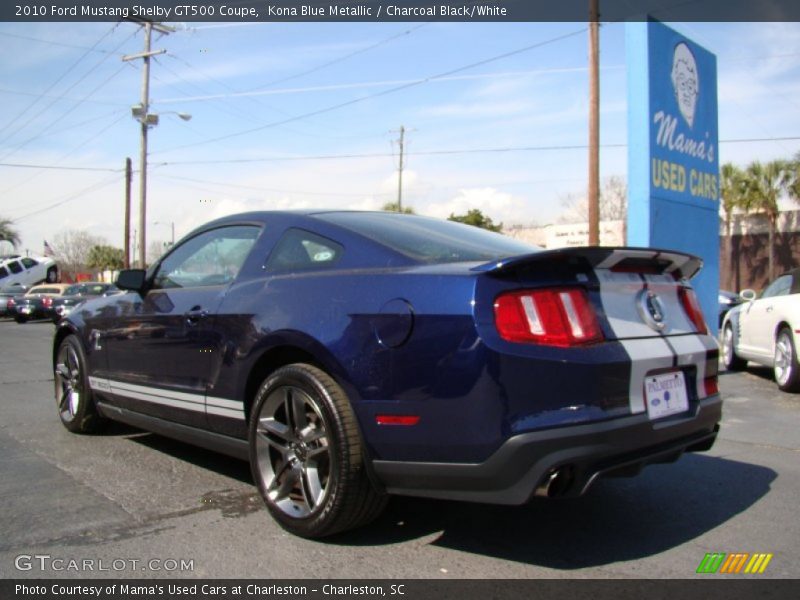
779 287
3 272
299 250
29 263
210 258
14 267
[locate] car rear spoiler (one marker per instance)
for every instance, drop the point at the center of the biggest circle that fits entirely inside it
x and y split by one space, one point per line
641 260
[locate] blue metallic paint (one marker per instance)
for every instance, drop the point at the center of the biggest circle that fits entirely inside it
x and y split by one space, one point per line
472 390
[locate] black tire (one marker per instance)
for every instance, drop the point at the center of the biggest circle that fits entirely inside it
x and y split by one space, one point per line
52 275
785 369
306 454
729 358
74 398
21 320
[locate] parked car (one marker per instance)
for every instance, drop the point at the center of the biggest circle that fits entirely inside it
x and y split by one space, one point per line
28 270
764 329
75 295
727 300
36 302
351 355
8 295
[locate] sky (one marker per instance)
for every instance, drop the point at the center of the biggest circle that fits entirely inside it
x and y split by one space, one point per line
307 115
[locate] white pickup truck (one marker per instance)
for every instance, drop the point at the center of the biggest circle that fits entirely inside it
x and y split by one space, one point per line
27 270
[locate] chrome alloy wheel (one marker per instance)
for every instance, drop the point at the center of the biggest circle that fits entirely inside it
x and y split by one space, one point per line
68 383
727 345
293 452
784 357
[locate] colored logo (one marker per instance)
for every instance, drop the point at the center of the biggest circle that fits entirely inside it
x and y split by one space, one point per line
734 563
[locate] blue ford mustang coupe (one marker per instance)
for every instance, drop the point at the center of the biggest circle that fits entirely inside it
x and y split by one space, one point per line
353 355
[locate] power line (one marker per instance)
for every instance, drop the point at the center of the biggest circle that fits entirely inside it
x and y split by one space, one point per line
339 59
67 154
443 152
52 85
49 125
273 190
93 188
364 155
381 93
62 44
68 99
58 168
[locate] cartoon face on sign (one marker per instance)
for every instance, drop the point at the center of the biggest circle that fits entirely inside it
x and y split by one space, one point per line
685 81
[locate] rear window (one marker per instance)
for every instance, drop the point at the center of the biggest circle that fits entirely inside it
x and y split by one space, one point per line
45 290
429 240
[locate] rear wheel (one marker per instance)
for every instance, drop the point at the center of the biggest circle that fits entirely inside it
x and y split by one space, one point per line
729 357
306 454
74 398
787 373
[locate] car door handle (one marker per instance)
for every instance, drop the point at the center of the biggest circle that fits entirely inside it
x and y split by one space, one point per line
769 309
194 314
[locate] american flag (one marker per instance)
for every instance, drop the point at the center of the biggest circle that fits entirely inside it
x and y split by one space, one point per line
48 251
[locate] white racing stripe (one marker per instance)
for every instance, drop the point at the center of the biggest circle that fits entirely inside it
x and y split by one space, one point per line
692 351
645 355
183 400
618 293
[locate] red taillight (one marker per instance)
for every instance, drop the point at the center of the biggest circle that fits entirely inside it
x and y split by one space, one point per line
397 419
711 386
47 302
10 303
553 317
692 308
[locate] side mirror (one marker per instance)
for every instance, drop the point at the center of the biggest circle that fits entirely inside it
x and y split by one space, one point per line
131 279
748 295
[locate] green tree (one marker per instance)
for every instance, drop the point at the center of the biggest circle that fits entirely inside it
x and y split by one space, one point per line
765 182
393 207
8 233
733 192
105 258
476 218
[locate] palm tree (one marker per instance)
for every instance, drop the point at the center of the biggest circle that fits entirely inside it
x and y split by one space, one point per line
792 178
8 233
765 181
733 191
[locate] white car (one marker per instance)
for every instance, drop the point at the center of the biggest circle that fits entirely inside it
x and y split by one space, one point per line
764 329
27 270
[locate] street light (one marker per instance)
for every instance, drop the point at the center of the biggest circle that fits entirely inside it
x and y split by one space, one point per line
147 119
172 226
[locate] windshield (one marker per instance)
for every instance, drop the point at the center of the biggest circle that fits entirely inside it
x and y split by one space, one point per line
429 240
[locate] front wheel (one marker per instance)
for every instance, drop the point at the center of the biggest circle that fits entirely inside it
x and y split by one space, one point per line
306 454
787 373
74 397
52 275
729 357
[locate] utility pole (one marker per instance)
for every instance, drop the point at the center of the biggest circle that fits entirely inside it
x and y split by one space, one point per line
141 113
400 172
127 237
594 125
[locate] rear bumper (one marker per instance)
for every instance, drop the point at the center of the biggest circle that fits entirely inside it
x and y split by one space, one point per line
581 453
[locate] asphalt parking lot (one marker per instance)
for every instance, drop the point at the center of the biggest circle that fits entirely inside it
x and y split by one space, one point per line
135 502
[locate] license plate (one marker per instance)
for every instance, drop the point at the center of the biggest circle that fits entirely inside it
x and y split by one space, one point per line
25 310
665 394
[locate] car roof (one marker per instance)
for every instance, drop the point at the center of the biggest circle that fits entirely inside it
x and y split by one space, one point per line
49 286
